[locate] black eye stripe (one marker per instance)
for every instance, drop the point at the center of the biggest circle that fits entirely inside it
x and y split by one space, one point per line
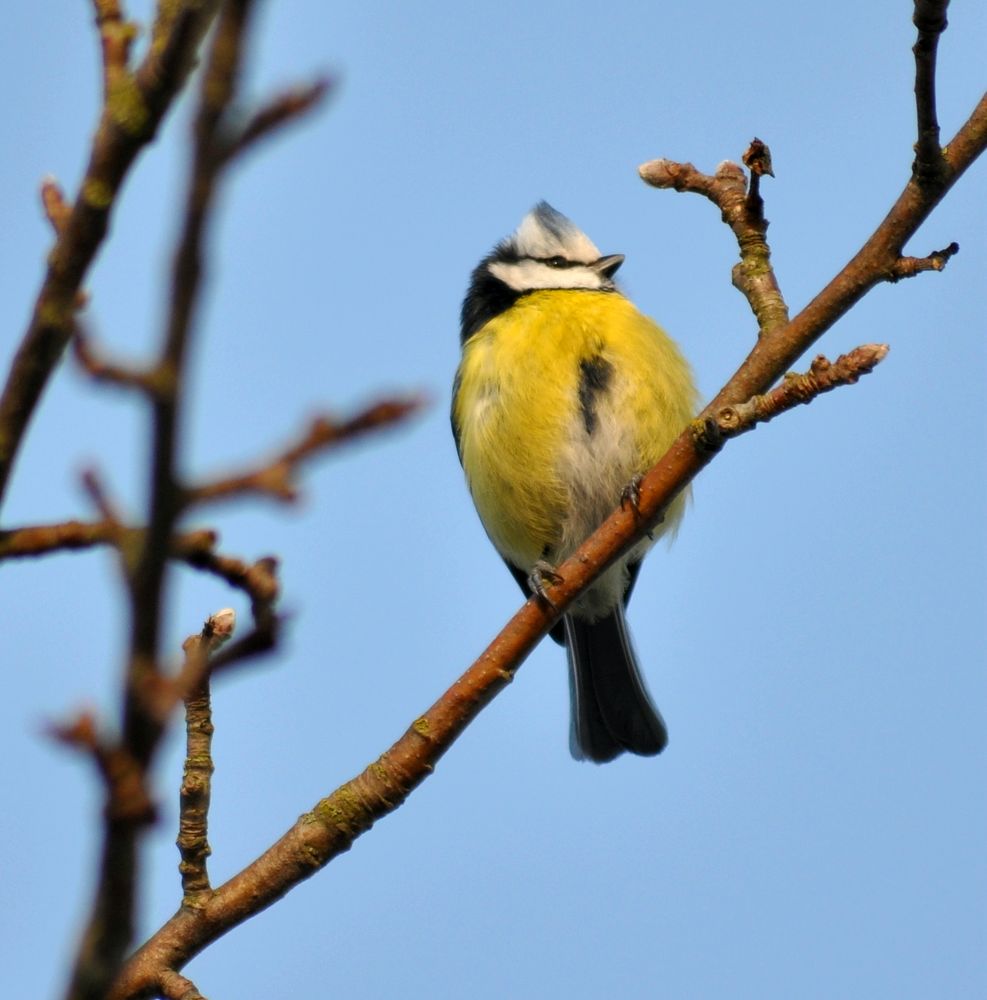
558 261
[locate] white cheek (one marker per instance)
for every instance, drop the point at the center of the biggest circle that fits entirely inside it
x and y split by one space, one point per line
527 275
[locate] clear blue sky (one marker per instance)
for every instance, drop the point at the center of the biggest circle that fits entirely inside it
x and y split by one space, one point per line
815 637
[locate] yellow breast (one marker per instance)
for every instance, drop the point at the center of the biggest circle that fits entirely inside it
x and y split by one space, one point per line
559 402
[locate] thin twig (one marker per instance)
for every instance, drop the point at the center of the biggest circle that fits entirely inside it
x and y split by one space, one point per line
743 212
278 111
930 19
794 390
194 547
276 479
116 36
193 843
908 267
96 490
101 369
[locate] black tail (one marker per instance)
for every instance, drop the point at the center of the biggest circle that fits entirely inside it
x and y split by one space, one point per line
611 710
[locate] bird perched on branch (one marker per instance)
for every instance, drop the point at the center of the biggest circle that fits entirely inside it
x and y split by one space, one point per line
565 395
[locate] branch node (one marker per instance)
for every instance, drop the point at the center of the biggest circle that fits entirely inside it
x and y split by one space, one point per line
908 267
99 369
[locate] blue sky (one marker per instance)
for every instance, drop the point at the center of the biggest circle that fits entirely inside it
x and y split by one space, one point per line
815 637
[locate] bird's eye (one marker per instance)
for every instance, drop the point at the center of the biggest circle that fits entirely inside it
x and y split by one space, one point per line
557 262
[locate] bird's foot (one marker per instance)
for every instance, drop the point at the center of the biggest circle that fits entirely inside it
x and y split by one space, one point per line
631 495
542 573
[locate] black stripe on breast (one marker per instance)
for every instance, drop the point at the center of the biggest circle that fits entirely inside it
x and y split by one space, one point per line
594 377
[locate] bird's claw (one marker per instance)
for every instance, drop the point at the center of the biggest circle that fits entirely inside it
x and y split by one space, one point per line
541 573
631 494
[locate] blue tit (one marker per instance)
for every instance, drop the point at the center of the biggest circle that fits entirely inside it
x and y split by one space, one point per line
565 394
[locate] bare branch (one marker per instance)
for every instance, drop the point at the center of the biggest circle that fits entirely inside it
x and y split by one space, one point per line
794 390
193 843
277 478
127 806
192 547
277 112
92 483
743 212
930 19
908 267
146 687
128 122
102 370
116 36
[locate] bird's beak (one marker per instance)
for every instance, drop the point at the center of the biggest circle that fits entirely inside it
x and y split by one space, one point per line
607 266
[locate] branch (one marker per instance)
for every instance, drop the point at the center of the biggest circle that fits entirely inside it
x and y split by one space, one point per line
743 212
129 120
908 267
794 390
193 844
147 692
277 112
930 19
176 987
100 369
277 478
110 927
336 821
116 35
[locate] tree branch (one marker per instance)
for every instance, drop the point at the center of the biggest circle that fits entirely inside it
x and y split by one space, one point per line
147 692
276 479
336 821
101 369
129 120
277 112
193 843
116 35
930 19
743 212
794 390
110 927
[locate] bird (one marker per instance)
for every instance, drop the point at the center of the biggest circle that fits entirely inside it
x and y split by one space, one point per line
564 397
